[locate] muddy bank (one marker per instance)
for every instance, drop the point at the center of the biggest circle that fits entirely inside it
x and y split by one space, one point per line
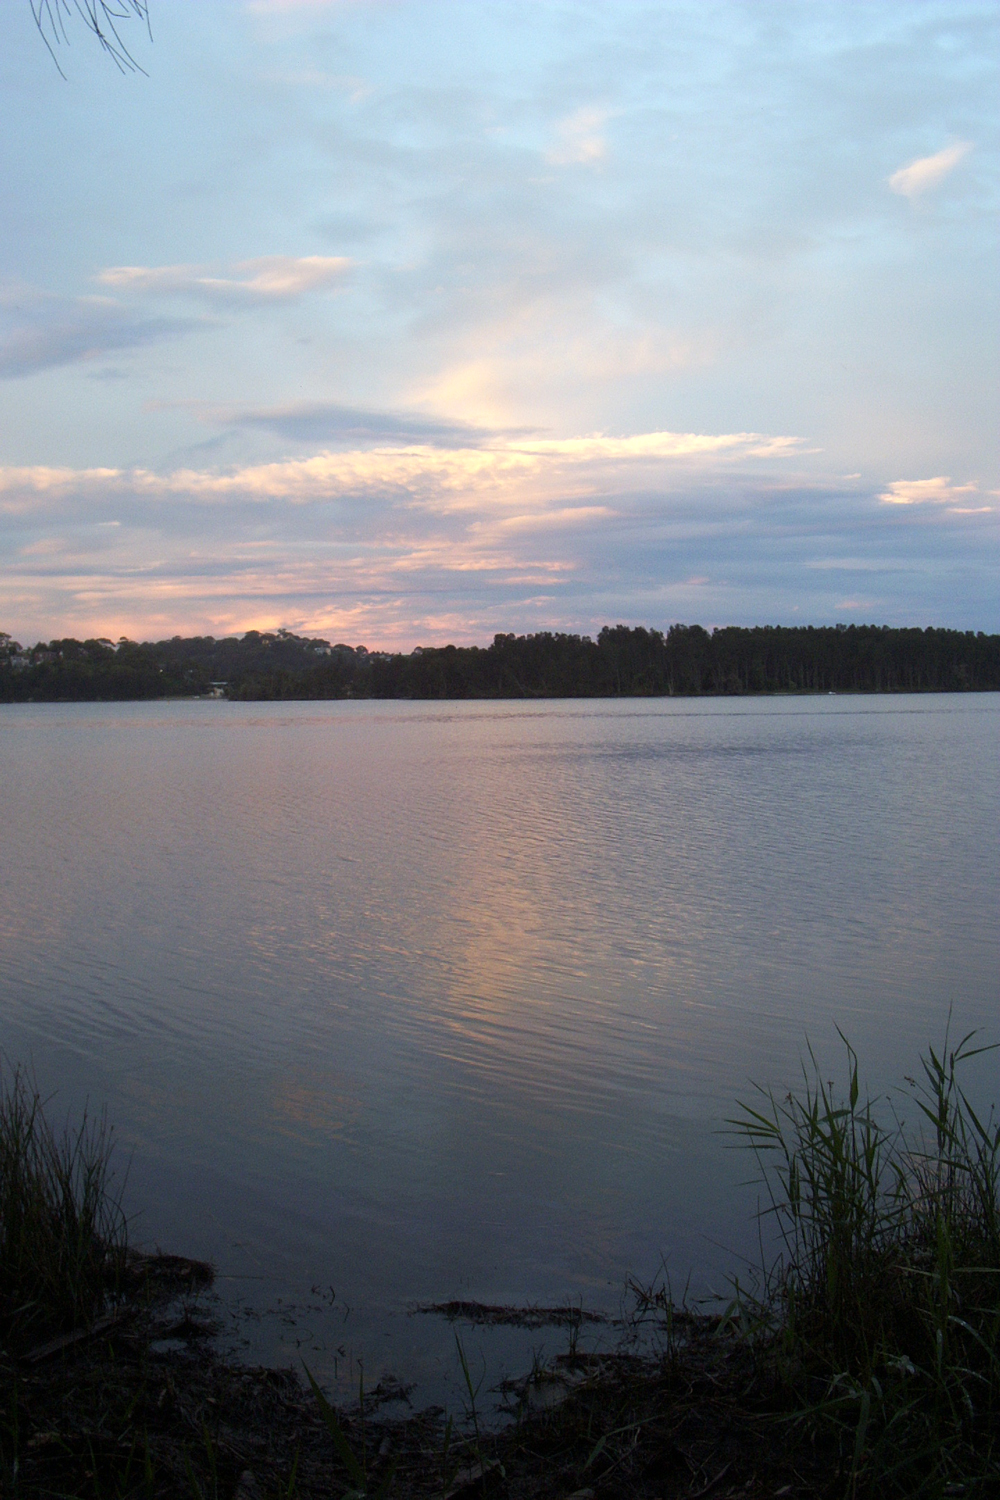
142 1403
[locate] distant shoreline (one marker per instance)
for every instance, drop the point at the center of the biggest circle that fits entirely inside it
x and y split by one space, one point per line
510 698
685 661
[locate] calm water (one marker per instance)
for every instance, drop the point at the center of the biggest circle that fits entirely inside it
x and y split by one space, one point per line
428 1001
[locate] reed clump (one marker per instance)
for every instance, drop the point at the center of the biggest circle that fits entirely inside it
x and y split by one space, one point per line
880 1318
63 1240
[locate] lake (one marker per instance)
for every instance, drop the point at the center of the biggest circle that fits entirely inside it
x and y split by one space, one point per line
404 1002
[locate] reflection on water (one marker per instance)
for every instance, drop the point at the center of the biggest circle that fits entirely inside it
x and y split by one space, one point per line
432 1001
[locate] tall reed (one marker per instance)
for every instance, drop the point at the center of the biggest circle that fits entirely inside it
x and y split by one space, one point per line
882 1310
62 1230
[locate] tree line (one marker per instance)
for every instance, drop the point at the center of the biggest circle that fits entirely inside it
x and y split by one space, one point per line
623 661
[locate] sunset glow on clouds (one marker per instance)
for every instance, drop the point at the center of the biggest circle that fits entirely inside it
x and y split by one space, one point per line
416 471
416 322
927 171
269 276
936 491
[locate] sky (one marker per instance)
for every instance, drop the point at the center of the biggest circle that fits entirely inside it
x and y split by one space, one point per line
404 323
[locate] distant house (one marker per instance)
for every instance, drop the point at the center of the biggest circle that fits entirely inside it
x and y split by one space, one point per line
216 689
12 653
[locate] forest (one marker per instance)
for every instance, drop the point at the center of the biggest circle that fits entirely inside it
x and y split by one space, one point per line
623 661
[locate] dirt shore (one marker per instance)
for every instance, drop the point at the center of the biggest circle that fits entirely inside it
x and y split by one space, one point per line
143 1404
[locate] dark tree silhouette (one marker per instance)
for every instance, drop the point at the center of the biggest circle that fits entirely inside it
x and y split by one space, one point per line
624 661
101 17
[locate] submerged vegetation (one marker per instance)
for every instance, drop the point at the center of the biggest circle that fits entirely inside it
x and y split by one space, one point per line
864 1363
622 662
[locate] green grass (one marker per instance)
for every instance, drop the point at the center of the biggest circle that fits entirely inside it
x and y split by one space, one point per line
880 1318
62 1230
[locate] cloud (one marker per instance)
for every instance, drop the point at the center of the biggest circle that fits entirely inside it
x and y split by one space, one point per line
70 332
329 422
927 171
519 476
21 487
936 491
659 445
53 331
567 515
449 479
397 546
269 278
580 139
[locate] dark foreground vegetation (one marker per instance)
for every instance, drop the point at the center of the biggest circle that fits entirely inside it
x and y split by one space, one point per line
864 1363
622 662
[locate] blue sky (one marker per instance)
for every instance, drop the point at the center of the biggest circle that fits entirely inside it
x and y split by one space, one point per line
410 322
